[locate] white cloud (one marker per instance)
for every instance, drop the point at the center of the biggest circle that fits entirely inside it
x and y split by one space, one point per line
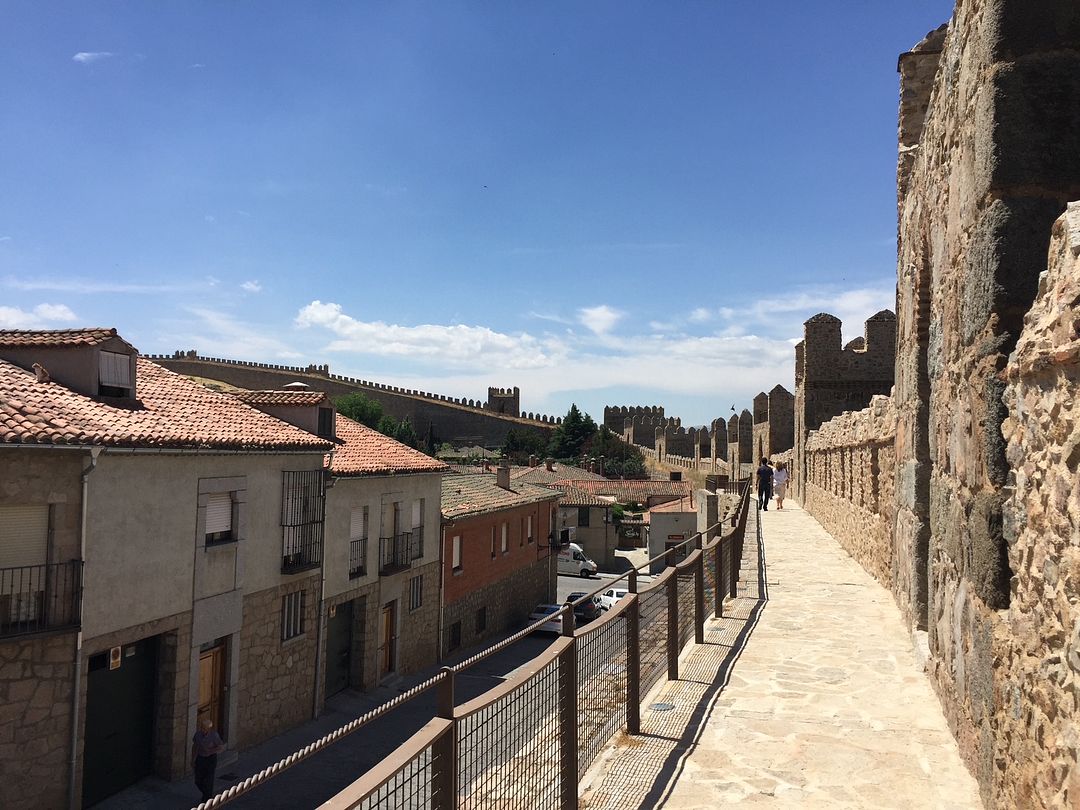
455 345
87 286
700 315
39 317
251 286
196 65
89 57
600 319
220 334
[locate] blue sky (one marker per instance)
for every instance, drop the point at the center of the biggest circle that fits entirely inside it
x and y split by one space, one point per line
607 203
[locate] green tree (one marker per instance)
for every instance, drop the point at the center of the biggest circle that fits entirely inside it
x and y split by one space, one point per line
569 439
406 434
519 446
361 409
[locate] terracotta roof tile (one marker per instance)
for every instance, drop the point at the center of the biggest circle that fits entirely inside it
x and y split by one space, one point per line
634 491
55 337
559 472
298 399
465 495
575 496
363 451
171 412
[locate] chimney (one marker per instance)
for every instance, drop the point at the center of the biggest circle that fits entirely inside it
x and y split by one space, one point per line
550 464
502 476
675 475
534 461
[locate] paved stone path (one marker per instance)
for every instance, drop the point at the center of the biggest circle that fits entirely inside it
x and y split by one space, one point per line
807 694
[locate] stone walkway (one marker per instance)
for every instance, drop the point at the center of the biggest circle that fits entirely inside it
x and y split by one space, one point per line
807 694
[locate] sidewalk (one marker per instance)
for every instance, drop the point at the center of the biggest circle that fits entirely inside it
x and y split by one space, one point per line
807 694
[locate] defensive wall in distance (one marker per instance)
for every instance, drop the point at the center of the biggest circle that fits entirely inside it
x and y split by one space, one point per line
446 418
959 491
615 416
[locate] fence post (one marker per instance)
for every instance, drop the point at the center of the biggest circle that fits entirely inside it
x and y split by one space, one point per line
699 598
568 718
718 578
633 659
444 770
672 618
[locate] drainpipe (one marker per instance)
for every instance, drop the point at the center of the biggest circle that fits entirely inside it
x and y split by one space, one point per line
76 689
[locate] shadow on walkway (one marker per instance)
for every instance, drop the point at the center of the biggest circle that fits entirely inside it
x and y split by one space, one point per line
638 772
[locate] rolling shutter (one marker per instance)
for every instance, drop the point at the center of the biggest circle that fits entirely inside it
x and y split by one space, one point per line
219 513
24 535
357 527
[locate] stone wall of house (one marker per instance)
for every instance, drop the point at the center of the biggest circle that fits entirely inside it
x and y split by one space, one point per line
850 484
508 603
36 678
448 419
418 630
276 677
1037 689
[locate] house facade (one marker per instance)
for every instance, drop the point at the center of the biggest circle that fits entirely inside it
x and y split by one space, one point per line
498 558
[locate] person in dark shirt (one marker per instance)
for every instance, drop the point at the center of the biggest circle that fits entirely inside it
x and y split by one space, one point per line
205 746
764 484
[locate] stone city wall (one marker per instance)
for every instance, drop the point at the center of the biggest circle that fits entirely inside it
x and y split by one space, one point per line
1037 691
850 484
615 416
448 418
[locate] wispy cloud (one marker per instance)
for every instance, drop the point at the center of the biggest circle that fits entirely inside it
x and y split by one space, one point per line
386 190
455 345
196 65
251 286
40 316
599 319
543 316
89 57
5 238
221 334
701 315
90 287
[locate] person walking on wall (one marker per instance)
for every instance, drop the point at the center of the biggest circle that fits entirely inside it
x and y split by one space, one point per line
764 484
779 480
205 746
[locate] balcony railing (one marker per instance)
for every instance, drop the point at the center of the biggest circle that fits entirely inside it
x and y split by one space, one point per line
395 553
417 546
357 557
36 598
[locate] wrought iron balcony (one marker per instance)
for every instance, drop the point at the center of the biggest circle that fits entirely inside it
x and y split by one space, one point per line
36 598
357 558
395 553
417 545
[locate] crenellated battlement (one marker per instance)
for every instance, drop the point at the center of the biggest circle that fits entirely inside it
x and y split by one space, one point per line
616 415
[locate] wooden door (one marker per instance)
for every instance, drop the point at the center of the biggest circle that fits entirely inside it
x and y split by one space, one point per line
212 687
388 638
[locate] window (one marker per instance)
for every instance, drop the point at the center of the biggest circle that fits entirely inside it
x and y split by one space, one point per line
417 529
302 509
530 528
219 518
114 374
505 537
455 636
358 537
292 614
455 553
481 620
24 535
521 532
583 516
493 542
416 593
326 423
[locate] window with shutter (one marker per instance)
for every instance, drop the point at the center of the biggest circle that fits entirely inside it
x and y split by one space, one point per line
219 518
24 535
114 372
418 512
358 523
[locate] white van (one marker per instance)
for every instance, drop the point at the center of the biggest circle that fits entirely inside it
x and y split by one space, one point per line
572 560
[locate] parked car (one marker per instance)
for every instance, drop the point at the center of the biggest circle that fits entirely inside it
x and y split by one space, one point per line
588 610
542 611
612 595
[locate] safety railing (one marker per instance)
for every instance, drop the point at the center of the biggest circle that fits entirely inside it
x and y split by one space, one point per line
37 598
528 741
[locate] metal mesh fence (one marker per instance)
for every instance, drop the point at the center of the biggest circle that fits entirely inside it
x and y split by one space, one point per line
686 606
709 561
411 788
508 751
653 636
601 688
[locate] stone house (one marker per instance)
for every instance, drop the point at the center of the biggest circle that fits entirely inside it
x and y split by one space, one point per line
669 525
498 560
160 547
586 519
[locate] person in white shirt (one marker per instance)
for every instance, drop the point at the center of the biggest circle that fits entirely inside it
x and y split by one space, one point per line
780 479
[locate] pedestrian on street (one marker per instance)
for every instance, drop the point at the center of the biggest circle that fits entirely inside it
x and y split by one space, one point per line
205 746
764 484
780 479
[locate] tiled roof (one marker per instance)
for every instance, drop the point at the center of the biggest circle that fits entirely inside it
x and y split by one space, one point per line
559 472
678 505
634 491
55 337
363 451
467 495
172 412
575 496
298 399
